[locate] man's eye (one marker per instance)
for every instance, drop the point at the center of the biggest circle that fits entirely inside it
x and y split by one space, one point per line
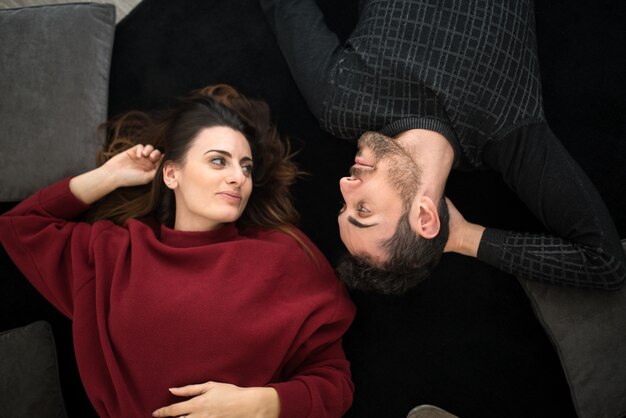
342 207
362 209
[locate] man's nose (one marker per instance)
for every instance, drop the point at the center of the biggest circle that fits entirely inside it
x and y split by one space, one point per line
348 183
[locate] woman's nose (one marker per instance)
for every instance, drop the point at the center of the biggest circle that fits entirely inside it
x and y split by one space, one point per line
237 177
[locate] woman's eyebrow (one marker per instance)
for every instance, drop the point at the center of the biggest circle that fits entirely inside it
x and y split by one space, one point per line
227 154
219 151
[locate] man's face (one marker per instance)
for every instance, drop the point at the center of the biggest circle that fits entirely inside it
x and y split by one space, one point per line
382 184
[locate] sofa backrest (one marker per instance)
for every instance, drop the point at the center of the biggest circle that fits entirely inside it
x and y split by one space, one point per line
54 81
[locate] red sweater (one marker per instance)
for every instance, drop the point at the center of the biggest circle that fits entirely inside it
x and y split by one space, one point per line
158 309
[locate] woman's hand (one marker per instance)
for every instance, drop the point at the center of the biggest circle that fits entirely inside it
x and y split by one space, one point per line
222 400
133 167
464 237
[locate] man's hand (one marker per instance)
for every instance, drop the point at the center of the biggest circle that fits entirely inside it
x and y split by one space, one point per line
464 237
222 400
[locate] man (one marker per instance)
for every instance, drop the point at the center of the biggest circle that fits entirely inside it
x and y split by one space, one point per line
433 85
445 84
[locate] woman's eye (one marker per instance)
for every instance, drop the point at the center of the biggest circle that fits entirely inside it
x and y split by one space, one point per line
247 169
218 161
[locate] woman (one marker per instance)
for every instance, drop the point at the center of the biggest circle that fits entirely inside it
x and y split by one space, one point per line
222 289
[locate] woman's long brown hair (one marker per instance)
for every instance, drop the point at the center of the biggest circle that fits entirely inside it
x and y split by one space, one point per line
172 131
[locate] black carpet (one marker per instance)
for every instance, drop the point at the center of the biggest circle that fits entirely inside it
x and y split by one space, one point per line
467 340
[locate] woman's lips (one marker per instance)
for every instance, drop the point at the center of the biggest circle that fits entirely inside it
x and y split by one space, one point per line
231 196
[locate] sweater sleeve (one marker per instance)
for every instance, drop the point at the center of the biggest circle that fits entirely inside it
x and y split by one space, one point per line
581 247
317 380
51 251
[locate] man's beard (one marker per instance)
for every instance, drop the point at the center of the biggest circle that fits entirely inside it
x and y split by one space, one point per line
403 173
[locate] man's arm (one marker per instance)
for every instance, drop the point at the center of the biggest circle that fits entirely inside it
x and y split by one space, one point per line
582 247
307 43
464 237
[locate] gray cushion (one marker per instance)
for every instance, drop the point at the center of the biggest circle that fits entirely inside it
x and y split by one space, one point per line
588 329
29 378
54 66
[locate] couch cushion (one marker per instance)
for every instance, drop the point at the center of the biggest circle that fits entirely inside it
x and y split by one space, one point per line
588 330
29 378
55 63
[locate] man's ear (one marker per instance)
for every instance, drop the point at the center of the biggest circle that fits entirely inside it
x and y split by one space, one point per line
169 175
424 217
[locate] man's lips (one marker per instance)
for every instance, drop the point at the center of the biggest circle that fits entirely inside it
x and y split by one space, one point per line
359 169
360 162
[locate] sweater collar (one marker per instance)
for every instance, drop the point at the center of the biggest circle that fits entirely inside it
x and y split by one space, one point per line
187 239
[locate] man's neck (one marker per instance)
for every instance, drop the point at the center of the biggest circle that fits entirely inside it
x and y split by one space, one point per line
433 154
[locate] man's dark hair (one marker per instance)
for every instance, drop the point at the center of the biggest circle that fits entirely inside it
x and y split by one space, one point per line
411 259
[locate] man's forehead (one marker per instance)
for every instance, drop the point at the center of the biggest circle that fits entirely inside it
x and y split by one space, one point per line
366 242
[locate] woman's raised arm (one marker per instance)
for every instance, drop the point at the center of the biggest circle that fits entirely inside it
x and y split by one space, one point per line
133 167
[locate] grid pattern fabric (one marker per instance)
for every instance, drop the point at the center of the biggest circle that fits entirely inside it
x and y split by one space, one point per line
550 259
468 64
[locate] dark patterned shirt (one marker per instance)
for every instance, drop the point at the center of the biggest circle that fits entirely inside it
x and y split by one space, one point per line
465 68
581 247
468 69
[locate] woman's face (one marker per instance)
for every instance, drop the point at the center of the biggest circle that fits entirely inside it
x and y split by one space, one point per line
214 183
